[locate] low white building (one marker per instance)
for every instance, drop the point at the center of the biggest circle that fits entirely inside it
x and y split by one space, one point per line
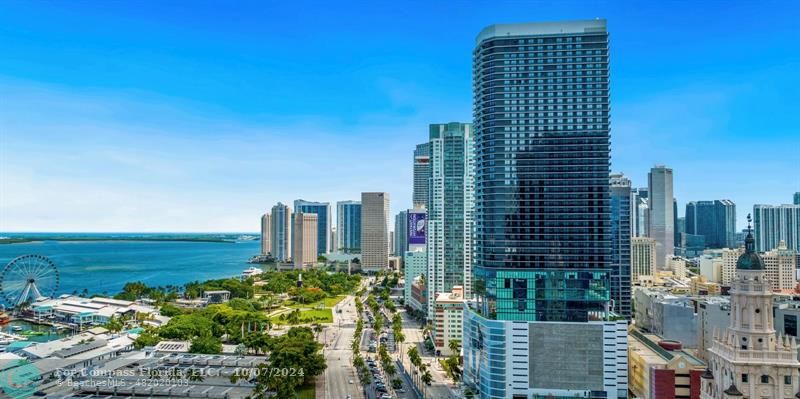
85 312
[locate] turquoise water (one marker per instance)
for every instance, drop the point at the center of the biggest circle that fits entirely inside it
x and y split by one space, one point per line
103 267
44 333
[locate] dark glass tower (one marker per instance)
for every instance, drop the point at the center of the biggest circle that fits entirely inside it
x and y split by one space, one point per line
542 205
621 244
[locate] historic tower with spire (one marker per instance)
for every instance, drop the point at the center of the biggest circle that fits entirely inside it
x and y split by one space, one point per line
747 360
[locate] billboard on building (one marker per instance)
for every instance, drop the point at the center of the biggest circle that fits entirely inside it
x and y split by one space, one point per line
417 225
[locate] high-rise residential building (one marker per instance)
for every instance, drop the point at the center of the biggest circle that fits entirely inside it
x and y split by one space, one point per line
305 239
748 359
780 267
640 213
539 324
281 233
348 226
374 231
643 261
620 189
450 216
662 216
715 220
323 212
422 172
266 230
776 223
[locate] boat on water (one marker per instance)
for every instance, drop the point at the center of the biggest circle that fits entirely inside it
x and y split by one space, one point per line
251 271
17 328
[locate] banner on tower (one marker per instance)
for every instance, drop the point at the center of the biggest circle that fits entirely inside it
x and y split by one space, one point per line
416 228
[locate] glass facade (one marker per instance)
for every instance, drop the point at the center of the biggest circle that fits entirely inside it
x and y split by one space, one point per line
450 208
323 212
485 354
715 220
621 244
401 234
542 204
422 172
348 226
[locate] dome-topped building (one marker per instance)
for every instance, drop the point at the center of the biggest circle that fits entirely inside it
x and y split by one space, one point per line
749 359
750 260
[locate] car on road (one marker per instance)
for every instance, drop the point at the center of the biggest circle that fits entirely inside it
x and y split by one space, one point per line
349 381
386 396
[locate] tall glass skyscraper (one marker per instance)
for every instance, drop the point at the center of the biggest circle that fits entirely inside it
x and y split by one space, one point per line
541 109
451 195
621 244
323 212
348 226
540 325
714 220
662 213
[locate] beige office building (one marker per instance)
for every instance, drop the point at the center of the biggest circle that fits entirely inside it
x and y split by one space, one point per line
266 230
374 232
448 310
304 239
729 258
643 261
780 267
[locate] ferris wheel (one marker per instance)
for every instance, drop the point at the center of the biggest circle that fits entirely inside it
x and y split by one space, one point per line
28 277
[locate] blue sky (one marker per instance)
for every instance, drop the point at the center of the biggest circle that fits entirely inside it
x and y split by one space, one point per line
199 116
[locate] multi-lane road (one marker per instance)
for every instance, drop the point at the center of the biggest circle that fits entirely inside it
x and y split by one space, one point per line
337 339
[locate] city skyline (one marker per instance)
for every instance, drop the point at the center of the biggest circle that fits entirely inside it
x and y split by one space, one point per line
220 137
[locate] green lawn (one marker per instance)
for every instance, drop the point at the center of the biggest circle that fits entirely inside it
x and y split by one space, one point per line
308 316
325 315
307 391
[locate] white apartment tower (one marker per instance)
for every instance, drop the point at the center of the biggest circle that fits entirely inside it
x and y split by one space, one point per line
450 209
266 230
281 232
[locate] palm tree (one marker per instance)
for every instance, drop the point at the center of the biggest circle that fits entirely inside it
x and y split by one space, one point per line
455 346
317 329
427 377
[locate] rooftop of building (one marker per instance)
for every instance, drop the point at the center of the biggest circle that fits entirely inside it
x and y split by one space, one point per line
455 296
648 346
542 28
